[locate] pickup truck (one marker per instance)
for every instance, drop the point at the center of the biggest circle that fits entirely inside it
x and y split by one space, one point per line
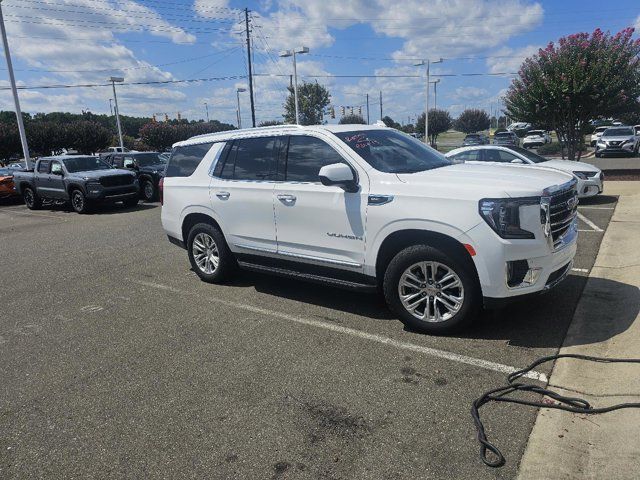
366 207
81 180
148 167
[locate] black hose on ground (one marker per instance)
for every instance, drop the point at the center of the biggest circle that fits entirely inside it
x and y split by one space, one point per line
569 404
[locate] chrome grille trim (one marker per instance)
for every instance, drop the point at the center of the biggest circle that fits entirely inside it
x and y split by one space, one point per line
563 212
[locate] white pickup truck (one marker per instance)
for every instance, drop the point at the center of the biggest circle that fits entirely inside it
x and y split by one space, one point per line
366 207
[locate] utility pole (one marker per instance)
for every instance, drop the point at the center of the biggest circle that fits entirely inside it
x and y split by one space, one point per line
14 90
111 106
380 104
113 81
427 63
368 109
206 106
253 108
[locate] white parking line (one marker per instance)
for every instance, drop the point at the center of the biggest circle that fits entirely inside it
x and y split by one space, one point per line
596 208
455 357
582 270
29 214
590 223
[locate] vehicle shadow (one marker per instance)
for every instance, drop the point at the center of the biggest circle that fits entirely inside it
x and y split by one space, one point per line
599 200
115 209
539 321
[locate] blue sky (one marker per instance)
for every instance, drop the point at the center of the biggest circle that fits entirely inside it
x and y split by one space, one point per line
72 42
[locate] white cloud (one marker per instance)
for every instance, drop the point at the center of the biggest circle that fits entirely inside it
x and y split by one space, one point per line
213 8
508 60
468 93
76 43
637 25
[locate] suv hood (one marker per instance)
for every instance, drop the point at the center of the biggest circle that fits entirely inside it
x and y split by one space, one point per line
485 181
102 173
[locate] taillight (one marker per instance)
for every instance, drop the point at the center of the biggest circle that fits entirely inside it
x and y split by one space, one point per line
161 190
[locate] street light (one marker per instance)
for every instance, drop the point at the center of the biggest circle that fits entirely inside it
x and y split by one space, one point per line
292 53
435 93
238 90
113 81
206 106
427 63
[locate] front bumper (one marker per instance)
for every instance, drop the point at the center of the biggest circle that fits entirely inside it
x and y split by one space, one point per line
112 194
627 149
591 186
548 268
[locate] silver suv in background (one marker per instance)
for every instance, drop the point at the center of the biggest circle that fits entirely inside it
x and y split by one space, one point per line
506 138
618 140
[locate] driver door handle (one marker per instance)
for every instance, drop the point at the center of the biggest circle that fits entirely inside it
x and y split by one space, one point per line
223 195
287 197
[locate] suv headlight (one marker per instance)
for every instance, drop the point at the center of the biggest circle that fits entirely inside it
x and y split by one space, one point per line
503 215
582 175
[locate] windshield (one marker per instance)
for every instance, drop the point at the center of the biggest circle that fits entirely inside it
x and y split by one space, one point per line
393 152
473 136
617 132
534 157
151 158
83 164
535 132
503 135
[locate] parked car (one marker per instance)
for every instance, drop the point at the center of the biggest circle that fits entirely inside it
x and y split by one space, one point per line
148 167
506 138
512 127
299 201
7 187
618 140
536 138
597 133
83 181
475 139
590 179
17 165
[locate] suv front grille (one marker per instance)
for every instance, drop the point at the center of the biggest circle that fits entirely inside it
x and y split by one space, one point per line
116 180
563 210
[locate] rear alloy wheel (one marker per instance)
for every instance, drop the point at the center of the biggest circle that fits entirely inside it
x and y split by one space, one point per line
79 202
430 290
148 191
31 199
209 254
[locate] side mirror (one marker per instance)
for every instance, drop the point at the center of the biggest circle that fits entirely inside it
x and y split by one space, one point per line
340 175
517 160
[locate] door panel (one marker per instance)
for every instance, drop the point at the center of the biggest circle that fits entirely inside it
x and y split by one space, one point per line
244 197
323 224
56 182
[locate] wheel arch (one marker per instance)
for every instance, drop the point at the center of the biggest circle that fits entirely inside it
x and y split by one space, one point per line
194 218
401 239
75 186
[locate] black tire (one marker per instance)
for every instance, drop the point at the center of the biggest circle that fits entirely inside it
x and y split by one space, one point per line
471 295
31 199
130 202
598 154
79 201
149 191
226 260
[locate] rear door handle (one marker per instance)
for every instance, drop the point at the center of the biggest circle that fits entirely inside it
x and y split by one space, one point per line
286 197
223 195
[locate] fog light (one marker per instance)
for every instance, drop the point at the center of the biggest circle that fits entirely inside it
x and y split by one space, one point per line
520 275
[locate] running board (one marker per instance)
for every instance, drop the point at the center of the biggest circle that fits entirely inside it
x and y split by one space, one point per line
308 277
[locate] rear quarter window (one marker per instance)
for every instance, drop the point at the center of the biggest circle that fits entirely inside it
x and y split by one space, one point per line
185 159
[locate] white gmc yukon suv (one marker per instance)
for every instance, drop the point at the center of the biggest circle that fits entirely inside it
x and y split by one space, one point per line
366 207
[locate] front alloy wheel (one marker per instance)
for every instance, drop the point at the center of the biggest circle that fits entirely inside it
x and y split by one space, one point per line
209 253
431 291
79 202
148 191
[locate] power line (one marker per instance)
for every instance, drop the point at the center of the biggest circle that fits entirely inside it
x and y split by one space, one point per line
156 82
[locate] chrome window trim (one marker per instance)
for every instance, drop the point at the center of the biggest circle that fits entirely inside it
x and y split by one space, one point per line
216 159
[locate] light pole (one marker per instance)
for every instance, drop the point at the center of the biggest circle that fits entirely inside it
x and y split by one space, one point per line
427 63
435 93
238 90
111 105
113 81
292 53
206 106
14 90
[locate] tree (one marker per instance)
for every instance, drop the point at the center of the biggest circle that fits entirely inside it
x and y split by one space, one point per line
45 137
439 122
472 120
583 77
391 123
270 123
88 137
9 140
158 135
352 119
313 98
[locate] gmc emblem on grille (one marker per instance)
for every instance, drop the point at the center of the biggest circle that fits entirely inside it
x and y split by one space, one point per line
572 202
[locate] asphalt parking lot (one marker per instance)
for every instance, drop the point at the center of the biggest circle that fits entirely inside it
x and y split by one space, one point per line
117 362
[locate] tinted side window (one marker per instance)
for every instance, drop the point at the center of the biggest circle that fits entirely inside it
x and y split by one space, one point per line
468 155
255 158
217 171
185 160
306 156
498 156
43 166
